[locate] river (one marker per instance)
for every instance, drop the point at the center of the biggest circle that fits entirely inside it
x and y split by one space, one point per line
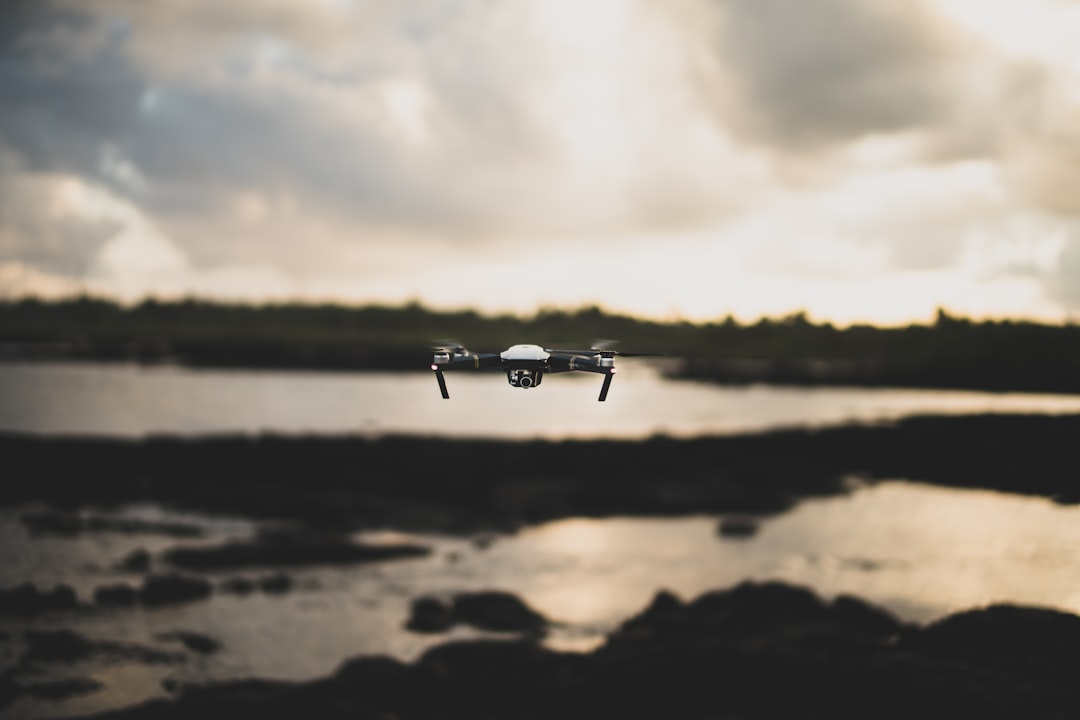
135 400
918 550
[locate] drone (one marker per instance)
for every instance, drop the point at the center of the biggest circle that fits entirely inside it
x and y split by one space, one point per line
525 365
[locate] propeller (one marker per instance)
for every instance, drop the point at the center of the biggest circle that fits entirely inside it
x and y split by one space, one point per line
448 345
603 347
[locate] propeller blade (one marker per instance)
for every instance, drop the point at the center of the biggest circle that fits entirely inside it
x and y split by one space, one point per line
565 351
448 345
607 353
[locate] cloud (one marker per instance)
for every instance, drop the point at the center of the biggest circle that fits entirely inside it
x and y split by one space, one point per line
827 72
375 149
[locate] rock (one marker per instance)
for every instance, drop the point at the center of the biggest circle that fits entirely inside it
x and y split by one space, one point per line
430 615
285 550
276 584
119 595
238 586
491 610
66 523
67 646
1006 635
63 688
864 617
196 642
738 526
25 600
499 612
758 650
137 561
170 589
56 646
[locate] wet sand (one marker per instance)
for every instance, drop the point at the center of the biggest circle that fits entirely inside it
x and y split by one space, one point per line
753 651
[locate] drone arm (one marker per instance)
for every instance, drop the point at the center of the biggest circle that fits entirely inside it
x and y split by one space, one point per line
473 361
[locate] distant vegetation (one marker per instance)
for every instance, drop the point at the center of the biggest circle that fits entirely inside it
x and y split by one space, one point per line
951 352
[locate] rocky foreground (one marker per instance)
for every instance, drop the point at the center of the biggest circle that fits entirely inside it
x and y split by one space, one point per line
753 651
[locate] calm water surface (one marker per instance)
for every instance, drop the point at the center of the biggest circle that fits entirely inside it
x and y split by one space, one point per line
133 400
918 550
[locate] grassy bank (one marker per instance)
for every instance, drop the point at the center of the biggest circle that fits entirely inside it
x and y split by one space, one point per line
464 485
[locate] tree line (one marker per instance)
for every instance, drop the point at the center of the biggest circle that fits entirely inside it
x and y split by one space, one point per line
950 352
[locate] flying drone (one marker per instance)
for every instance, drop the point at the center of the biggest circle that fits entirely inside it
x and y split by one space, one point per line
526 365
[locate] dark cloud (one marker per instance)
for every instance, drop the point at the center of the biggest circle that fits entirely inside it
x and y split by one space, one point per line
831 71
58 111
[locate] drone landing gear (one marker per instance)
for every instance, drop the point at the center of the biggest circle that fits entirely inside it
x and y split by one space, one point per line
607 384
442 382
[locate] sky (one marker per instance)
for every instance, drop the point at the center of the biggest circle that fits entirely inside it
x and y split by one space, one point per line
687 159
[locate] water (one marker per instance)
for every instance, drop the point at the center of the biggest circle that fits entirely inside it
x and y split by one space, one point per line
134 400
917 550
920 551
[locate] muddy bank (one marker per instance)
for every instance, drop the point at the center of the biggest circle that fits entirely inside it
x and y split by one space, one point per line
465 485
766 650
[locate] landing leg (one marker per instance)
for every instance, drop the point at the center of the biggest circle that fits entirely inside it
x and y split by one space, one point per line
606 385
442 384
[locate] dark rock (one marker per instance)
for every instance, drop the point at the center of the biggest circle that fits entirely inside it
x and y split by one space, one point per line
1036 640
52 522
170 589
196 642
430 615
119 595
864 617
56 646
69 524
137 561
281 551
26 599
499 612
238 586
738 526
700 660
487 610
67 646
62 689
276 584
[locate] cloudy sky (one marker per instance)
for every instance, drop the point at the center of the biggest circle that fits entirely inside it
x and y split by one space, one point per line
861 161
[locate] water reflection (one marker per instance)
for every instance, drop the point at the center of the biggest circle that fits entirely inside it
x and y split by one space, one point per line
919 550
132 400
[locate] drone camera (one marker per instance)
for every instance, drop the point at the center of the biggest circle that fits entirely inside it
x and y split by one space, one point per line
524 378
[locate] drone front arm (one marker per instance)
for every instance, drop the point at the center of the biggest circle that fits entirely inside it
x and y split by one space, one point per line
473 361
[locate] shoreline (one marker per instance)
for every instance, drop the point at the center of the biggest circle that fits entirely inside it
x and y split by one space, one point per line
467 485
